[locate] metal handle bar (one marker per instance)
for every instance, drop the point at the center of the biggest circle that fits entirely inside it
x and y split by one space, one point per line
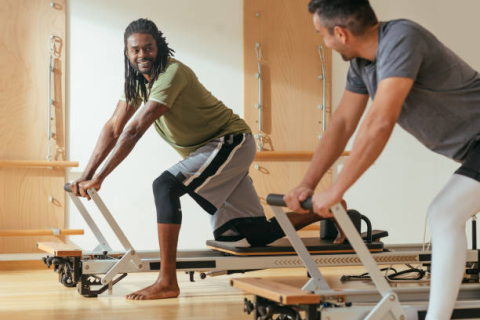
277 200
67 187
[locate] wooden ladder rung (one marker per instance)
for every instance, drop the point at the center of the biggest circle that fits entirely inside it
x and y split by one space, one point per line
59 249
275 291
41 232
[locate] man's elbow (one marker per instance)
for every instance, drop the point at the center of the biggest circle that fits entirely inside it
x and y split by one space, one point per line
381 127
112 130
133 132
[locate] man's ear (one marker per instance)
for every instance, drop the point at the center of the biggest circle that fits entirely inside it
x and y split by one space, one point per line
341 34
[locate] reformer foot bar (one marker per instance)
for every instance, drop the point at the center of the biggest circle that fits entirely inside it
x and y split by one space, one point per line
319 301
102 267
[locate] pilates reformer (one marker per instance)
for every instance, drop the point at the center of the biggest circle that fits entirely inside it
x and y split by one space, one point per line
316 300
97 271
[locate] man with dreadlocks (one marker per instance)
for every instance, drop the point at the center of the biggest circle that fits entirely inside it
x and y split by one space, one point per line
216 145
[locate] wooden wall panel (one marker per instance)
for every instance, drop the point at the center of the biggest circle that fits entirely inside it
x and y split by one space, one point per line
292 90
291 66
25 204
25 28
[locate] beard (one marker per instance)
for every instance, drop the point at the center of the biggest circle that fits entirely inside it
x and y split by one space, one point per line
143 71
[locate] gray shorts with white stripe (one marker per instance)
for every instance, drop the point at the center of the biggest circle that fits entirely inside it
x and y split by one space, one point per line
216 176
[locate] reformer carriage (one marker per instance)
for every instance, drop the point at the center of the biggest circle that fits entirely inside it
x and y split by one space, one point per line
99 270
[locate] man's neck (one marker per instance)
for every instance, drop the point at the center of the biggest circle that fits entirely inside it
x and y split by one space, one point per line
147 76
368 44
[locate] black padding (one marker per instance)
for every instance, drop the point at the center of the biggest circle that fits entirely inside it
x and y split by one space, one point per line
167 192
261 233
283 246
330 232
376 235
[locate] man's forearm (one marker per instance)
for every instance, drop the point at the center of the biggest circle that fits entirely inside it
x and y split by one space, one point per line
375 131
104 145
124 146
328 150
130 136
368 146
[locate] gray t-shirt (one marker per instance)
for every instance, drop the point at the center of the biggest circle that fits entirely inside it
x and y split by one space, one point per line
442 110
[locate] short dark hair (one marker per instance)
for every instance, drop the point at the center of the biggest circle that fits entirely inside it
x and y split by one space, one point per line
134 81
354 15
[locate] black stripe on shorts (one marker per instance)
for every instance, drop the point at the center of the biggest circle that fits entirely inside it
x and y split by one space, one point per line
212 169
217 162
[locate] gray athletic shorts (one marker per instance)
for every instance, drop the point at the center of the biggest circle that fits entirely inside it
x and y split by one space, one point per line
471 166
216 176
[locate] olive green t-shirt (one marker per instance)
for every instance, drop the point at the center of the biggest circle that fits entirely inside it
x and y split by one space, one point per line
195 116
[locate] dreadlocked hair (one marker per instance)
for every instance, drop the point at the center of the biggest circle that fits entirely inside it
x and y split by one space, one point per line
134 81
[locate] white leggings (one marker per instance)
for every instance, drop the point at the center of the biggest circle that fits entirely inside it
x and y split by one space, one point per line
455 204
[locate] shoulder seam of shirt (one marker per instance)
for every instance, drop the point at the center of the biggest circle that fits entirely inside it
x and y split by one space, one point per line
162 102
415 26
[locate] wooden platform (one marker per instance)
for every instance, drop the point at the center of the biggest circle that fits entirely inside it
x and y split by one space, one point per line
59 249
275 291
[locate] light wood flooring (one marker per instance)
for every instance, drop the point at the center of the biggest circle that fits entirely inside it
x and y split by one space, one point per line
37 294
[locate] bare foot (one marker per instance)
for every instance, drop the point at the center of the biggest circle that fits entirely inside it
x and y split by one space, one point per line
340 236
300 220
155 291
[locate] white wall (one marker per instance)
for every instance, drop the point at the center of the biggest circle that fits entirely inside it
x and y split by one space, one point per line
396 191
206 35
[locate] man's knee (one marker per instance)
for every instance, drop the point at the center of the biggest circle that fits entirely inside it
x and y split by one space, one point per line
167 192
442 215
262 233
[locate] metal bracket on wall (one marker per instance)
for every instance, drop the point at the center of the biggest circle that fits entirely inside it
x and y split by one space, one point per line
322 77
259 106
51 56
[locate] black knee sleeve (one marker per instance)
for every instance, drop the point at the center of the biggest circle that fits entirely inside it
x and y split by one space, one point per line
167 192
261 233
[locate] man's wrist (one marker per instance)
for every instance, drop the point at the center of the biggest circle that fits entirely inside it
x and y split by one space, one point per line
308 184
337 191
98 178
86 176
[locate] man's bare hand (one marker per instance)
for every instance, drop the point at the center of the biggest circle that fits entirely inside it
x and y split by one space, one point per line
323 201
74 185
297 195
79 187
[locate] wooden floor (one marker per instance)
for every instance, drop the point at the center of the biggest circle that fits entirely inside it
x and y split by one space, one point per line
37 294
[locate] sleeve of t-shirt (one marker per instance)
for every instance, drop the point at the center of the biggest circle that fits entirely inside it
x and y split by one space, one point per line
168 85
137 101
355 82
401 53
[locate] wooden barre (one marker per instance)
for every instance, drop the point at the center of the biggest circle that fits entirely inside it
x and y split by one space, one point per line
284 155
38 164
41 232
